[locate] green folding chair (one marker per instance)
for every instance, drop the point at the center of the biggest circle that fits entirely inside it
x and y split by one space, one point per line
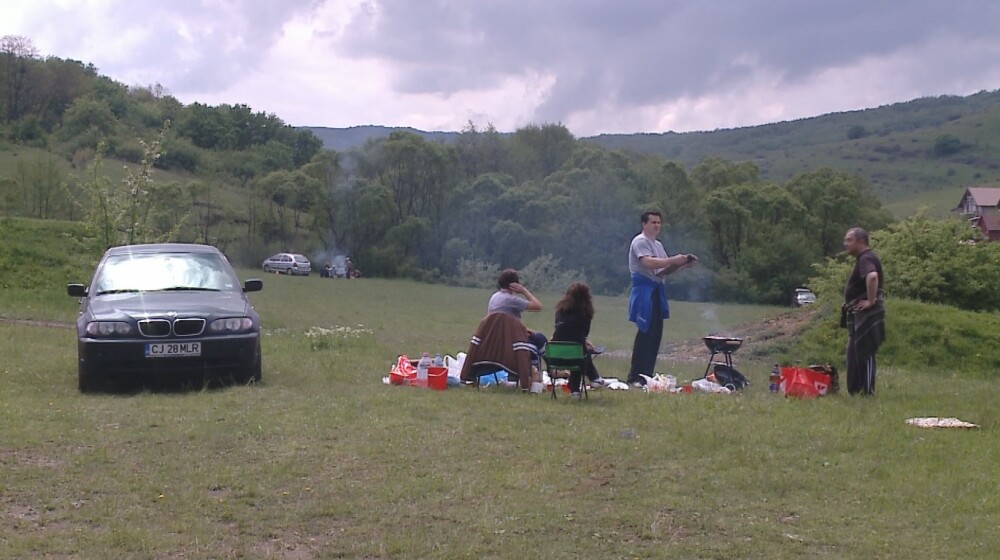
566 356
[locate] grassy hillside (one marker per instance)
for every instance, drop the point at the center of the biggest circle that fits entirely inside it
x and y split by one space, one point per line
894 148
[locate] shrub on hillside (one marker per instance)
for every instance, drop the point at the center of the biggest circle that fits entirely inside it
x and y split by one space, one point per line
934 261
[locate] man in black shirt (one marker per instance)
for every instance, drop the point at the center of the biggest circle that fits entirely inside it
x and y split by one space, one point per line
863 313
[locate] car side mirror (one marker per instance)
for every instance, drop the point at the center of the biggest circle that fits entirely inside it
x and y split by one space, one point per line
253 285
76 290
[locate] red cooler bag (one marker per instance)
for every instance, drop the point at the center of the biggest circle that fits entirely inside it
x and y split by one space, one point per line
402 371
803 382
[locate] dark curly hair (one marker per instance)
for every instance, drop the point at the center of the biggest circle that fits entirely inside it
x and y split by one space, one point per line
577 299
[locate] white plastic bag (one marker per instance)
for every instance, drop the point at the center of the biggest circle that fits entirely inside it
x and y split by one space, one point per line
707 386
454 365
660 383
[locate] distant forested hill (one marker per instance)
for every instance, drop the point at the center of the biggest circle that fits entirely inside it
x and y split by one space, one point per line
911 152
918 153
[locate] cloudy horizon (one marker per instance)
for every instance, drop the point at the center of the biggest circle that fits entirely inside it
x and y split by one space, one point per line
594 66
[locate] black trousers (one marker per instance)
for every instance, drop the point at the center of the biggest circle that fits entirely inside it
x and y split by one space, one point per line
647 345
575 377
860 371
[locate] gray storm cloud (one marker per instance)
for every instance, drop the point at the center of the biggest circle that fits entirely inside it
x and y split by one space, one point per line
643 53
603 60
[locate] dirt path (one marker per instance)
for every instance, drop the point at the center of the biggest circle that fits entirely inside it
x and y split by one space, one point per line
757 336
31 323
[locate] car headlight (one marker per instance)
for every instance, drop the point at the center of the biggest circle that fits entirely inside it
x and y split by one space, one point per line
231 325
108 329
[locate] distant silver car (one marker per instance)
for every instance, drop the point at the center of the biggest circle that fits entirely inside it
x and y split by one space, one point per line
803 296
288 263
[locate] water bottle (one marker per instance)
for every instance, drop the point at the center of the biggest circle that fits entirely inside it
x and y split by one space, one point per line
422 365
438 360
775 383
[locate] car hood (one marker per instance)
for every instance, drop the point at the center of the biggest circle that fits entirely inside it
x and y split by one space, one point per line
155 304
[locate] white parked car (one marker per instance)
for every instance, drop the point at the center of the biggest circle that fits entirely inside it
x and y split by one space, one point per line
803 296
288 263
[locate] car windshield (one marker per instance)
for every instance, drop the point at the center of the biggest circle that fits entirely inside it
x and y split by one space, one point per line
165 271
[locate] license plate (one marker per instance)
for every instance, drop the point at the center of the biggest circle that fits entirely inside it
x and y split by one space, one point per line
173 349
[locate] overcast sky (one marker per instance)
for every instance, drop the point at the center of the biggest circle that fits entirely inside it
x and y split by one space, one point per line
596 66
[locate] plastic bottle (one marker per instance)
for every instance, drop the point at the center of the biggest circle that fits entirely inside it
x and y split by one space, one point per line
775 382
422 365
438 360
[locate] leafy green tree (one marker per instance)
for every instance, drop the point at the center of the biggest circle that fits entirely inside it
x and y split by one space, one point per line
935 261
42 182
274 156
369 213
206 211
89 114
714 173
305 146
58 84
481 151
833 202
538 151
204 125
17 55
856 131
181 154
420 178
128 214
325 169
758 240
946 145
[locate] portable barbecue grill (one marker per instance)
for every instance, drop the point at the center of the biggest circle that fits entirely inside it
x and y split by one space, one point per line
724 345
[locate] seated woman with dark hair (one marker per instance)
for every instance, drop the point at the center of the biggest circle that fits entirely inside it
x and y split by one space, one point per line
574 312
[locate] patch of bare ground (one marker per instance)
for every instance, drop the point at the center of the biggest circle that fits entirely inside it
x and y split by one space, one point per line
758 337
32 323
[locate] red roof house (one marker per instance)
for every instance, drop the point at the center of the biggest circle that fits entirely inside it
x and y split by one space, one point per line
979 204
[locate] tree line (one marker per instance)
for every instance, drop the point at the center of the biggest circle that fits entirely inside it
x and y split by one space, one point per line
538 199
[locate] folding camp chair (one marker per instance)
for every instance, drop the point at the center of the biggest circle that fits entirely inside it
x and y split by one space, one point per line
566 356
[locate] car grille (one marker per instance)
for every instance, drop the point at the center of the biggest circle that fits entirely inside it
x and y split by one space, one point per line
154 327
189 327
159 328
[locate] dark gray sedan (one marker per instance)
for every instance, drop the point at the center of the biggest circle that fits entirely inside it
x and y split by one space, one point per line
167 310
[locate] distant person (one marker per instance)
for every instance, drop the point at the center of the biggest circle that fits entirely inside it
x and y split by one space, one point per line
574 313
649 265
863 313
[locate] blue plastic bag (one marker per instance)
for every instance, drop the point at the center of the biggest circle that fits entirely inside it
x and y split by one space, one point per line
491 378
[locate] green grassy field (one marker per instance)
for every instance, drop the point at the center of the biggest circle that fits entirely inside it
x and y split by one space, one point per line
322 460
